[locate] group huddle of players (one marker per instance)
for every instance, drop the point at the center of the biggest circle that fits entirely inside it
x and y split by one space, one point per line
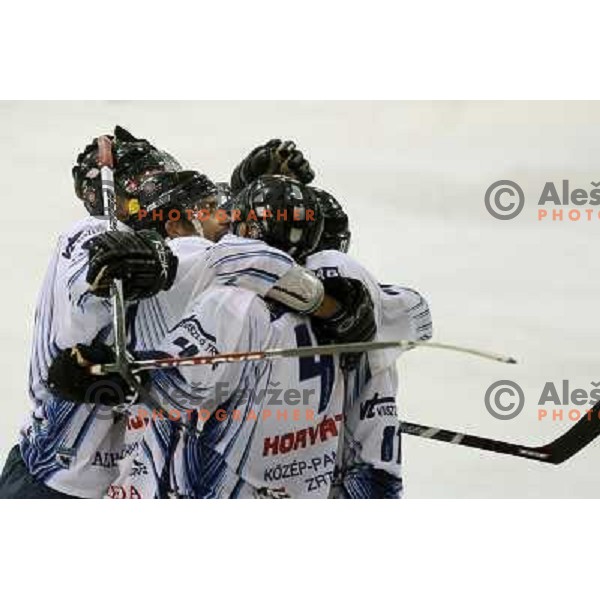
275 275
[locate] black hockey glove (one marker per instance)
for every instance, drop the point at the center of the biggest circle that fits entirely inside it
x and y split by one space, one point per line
68 377
354 321
142 260
273 158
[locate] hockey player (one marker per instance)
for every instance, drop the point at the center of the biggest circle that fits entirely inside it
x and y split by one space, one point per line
278 157
227 320
250 442
244 448
269 455
222 319
65 451
234 261
55 456
402 312
372 458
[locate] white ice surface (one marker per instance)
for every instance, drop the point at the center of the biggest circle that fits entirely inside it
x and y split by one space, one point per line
412 176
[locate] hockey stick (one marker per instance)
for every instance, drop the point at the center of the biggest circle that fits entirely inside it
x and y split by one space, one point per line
105 162
122 364
556 452
277 353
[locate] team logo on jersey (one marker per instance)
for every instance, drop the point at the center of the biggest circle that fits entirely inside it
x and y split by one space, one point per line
205 341
327 272
123 492
318 468
378 407
109 460
303 438
313 484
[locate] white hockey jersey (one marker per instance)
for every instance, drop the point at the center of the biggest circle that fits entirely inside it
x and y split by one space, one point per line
372 454
237 441
247 420
276 460
77 450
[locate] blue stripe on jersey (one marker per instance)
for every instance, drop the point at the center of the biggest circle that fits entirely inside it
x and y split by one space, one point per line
244 256
212 474
420 303
150 322
235 242
389 289
160 435
241 399
76 275
191 465
363 481
161 316
251 272
44 468
237 489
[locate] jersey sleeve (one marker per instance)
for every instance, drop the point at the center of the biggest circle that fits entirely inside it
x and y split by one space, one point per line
246 263
401 313
81 314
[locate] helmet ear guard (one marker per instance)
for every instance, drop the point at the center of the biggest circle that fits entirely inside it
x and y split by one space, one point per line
336 230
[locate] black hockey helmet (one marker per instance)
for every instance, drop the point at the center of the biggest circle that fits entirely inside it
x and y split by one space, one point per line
165 196
336 232
282 212
134 160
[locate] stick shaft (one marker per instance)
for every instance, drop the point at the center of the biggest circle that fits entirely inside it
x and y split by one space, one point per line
105 161
277 353
473 441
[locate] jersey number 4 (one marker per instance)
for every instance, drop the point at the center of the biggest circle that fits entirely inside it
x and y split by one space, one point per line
312 366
